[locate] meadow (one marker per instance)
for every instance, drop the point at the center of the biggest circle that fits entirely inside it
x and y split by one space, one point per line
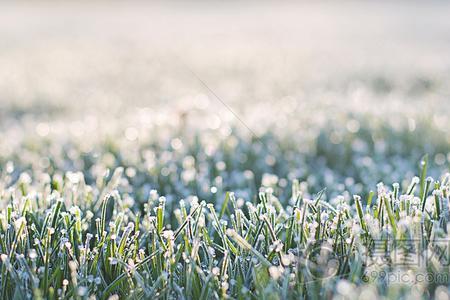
184 151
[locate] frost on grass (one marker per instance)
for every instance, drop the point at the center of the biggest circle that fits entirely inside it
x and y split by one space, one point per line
67 247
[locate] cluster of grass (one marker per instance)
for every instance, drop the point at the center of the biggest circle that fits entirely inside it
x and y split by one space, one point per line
61 238
287 214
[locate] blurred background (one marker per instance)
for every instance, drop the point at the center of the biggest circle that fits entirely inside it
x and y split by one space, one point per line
193 95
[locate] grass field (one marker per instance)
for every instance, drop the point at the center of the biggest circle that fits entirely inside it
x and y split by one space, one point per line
224 151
